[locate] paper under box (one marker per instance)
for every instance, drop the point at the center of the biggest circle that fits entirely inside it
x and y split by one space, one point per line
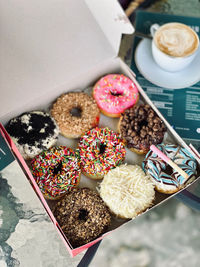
40 72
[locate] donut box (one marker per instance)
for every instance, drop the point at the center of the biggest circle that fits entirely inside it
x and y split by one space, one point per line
47 58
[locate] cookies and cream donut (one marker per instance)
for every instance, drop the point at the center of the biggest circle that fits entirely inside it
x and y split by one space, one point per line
75 113
33 132
141 127
82 215
100 150
127 191
166 179
56 171
114 93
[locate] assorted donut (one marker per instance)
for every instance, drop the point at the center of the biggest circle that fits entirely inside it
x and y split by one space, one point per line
114 93
166 179
75 114
33 132
82 215
123 190
127 191
141 127
100 150
56 171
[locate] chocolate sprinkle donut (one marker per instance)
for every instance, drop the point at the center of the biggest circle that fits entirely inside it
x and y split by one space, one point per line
82 215
141 127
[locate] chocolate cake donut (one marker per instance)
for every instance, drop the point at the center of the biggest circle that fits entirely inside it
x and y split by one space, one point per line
32 132
141 127
82 215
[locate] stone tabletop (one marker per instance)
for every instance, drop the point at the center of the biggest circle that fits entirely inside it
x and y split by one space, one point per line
28 238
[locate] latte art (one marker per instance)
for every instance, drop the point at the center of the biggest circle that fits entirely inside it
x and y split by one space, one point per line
176 40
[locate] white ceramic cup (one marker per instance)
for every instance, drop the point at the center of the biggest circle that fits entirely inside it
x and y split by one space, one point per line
174 45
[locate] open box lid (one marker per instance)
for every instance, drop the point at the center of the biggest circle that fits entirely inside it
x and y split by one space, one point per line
46 43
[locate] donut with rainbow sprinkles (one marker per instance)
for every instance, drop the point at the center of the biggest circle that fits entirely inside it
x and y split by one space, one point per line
100 150
56 171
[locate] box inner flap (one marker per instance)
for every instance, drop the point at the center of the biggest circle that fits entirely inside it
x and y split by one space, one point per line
44 44
112 19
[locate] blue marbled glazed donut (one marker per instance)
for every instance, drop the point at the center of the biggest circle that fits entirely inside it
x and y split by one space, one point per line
166 179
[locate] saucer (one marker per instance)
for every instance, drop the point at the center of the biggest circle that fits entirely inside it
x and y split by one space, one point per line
153 73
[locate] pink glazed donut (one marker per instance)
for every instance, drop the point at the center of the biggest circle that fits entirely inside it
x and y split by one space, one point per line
114 93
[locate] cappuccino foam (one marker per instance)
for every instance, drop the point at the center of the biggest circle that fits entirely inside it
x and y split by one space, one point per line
176 39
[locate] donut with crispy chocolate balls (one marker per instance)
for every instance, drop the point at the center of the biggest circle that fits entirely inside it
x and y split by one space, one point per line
141 127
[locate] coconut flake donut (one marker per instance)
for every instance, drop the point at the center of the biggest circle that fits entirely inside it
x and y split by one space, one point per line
32 132
127 191
166 179
114 93
75 113
82 215
56 171
100 150
141 127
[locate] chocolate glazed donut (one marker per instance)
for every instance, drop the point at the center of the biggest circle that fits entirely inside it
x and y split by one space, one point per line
141 127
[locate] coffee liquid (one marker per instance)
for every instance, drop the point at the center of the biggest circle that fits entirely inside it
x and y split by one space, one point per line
176 39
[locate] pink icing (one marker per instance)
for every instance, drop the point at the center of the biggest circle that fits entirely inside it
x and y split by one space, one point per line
114 93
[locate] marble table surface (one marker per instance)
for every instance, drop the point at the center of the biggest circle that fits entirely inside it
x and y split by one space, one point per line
168 236
28 238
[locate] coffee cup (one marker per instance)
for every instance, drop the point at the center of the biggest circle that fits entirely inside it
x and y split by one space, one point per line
174 45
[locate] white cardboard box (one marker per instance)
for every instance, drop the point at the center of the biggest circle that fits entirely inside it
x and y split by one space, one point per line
50 47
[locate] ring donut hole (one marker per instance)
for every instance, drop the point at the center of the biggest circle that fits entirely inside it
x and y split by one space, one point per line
168 170
115 93
57 168
102 148
83 215
142 123
76 112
